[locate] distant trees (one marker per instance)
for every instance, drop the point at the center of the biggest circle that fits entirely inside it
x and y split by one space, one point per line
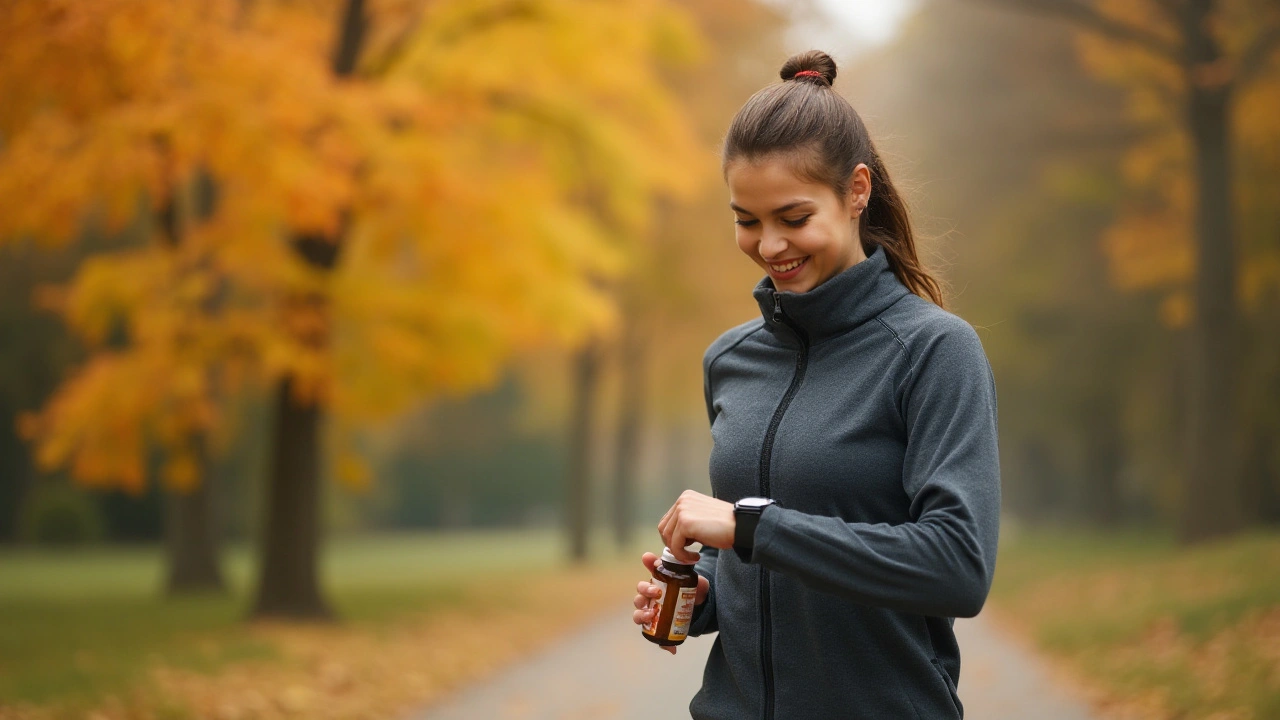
1073 203
400 208
1202 78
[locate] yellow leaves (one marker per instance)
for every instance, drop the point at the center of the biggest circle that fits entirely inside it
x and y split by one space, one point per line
1255 120
1176 310
1149 251
353 471
1153 251
1259 277
486 172
104 422
89 425
1149 246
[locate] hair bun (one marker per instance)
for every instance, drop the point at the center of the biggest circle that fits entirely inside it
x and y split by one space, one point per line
813 61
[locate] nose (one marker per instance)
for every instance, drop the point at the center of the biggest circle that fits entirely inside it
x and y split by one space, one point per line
772 244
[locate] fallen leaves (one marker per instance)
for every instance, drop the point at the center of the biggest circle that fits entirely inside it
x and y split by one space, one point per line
369 670
1180 634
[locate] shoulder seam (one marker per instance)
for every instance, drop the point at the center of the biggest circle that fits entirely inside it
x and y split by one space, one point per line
894 333
735 344
711 365
911 366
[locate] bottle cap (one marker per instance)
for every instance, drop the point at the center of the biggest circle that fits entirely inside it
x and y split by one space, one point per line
668 557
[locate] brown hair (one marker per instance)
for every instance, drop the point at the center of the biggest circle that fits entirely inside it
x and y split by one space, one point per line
804 117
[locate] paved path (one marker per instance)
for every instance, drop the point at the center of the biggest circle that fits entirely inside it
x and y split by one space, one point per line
608 672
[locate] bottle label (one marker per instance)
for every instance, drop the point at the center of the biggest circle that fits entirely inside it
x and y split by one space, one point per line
684 613
655 604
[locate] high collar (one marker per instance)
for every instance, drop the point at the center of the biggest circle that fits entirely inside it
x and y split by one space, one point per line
838 305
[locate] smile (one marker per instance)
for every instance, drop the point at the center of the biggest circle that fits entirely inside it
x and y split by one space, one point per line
789 266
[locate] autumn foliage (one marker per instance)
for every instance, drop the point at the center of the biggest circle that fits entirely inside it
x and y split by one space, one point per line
482 171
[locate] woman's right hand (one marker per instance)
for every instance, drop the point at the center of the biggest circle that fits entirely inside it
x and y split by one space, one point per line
647 591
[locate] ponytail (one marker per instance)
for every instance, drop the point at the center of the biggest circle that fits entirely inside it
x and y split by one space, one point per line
805 116
886 223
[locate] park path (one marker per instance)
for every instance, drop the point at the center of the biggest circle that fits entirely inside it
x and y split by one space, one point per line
607 671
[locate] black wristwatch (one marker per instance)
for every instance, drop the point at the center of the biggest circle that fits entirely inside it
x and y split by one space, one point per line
746 514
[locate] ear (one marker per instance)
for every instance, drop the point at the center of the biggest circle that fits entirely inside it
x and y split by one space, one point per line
859 190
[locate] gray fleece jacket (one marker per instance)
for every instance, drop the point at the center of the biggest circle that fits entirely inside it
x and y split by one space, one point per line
869 415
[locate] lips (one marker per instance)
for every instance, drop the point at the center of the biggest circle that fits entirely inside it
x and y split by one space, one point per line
788 269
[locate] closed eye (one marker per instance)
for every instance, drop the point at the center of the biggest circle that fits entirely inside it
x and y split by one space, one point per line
746 223
799 222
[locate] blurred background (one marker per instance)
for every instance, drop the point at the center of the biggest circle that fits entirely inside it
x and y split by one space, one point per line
353 311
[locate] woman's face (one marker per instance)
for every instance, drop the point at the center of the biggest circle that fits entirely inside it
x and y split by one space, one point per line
799 231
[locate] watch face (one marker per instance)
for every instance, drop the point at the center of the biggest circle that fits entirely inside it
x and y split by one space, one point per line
754 502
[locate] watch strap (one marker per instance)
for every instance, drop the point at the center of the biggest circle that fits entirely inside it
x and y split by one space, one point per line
745 521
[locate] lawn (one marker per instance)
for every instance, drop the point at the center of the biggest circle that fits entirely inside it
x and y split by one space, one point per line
1152 630
88 629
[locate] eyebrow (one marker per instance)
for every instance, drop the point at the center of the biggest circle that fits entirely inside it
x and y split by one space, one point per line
777 211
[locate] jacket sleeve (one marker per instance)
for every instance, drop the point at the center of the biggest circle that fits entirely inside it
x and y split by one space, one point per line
940 563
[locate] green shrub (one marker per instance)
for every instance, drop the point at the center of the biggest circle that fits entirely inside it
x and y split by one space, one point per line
56 513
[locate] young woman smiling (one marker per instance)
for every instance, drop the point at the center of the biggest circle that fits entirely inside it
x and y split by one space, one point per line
854 473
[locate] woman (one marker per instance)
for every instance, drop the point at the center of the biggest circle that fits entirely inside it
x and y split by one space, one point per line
856 489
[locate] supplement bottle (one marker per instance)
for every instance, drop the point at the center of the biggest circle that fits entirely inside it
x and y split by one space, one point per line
678 586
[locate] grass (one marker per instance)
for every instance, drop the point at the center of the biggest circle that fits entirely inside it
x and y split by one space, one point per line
81 627
1154 629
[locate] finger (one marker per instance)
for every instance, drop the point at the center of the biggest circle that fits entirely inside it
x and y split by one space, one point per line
641 617
649 560
687 556
678 540
667 518
641 602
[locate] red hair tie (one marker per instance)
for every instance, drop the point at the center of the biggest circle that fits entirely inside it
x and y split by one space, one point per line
807 73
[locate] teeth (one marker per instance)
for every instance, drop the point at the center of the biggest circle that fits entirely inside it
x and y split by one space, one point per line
789 266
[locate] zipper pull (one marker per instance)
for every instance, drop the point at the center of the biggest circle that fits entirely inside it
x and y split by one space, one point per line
777 306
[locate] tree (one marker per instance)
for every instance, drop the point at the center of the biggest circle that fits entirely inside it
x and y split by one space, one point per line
1007 151
399 211
688 281
1187 64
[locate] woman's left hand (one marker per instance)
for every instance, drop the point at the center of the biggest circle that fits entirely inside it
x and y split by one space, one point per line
697 518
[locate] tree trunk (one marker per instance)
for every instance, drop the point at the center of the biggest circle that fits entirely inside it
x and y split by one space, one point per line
191 536
288 585
1211 498
586 385
1105 449
630 421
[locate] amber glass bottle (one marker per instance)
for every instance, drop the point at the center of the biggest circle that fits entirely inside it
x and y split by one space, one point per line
674 606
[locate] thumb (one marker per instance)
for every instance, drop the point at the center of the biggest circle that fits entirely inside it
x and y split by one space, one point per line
704 586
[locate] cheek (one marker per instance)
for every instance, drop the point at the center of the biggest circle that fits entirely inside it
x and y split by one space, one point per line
746 241
817 240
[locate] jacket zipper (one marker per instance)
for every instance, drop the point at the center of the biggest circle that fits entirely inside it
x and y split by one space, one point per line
766 458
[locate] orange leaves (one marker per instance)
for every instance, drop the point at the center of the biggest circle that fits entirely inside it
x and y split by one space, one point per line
104 421
483 170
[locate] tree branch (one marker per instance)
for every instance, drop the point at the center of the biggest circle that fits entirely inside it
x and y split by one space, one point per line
1088 18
